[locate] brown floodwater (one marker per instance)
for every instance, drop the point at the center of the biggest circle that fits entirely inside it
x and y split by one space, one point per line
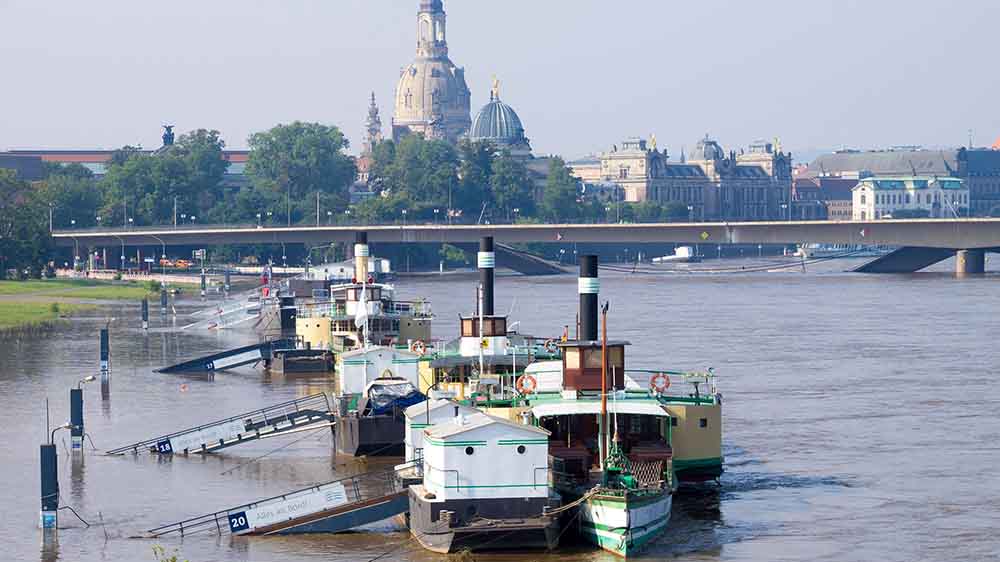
861 415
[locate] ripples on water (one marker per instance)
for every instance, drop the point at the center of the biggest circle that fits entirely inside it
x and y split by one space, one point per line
861 421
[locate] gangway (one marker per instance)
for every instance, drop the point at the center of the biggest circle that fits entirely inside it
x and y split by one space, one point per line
231 358
311 412
334 507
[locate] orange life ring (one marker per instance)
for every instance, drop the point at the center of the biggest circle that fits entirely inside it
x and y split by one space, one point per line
550 345
526 384
659 383
419 347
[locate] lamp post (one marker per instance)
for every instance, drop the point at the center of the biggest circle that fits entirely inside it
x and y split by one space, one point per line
786 210
329 218
436 211
76 412
690 213
258 221
347 212
404 218
517 213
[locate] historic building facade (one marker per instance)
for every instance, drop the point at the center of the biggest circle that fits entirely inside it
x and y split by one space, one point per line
432 98
752 185
498 124
889 197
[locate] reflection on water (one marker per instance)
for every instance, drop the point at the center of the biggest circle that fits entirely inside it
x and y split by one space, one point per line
858 416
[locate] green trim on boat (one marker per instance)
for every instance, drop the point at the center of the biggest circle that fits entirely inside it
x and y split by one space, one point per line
523 442
455 443
690 464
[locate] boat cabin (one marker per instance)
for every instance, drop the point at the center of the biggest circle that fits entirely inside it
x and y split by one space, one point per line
428 414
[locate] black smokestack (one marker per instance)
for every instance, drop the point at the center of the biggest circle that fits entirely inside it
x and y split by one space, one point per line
361 238
590 286
487 264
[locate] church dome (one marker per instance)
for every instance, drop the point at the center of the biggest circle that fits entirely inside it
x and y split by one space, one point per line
498 122
707 149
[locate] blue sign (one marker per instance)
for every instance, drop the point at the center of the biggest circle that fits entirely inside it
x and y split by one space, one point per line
164 447
238 522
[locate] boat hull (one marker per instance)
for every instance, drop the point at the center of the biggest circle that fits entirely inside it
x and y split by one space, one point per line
499 524
625 525
375 436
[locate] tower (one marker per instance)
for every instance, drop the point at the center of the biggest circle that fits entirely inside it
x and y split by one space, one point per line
373 127
432 98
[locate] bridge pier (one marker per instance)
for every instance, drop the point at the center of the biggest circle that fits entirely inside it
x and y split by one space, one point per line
970 262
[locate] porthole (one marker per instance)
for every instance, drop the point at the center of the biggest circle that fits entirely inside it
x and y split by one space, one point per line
703 422
521 449
469 450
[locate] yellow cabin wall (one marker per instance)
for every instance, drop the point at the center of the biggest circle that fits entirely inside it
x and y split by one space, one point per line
691 442
314 331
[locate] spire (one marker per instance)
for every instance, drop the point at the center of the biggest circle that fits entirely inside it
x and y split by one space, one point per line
373 127
495 91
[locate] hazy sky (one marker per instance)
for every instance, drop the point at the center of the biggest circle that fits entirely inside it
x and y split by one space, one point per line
582 74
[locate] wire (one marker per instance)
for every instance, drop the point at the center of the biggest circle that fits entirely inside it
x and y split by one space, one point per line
73 511
285 446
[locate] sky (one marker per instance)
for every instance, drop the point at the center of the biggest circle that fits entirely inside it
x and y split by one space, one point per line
582 74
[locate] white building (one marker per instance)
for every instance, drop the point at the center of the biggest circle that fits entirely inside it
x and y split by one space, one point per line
909 197
428 414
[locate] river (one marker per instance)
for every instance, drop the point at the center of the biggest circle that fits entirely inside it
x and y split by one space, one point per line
861 420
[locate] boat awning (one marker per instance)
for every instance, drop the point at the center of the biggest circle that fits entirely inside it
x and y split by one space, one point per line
488 360
577 407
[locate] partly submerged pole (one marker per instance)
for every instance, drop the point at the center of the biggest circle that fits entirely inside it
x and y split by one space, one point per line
105 352
49 461
145 313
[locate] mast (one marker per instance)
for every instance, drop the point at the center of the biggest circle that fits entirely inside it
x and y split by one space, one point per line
604 389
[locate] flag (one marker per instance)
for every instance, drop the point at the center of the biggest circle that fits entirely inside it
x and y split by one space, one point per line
361 314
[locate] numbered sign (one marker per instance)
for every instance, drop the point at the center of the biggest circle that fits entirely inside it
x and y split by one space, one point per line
238 522
164 447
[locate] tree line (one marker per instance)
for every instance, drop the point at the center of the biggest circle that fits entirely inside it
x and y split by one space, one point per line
293 171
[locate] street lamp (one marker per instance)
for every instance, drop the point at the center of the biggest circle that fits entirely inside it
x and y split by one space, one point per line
193 219
329 218
517 212
404 218
690 213
84 380
436 211
787 211
258 221
347 212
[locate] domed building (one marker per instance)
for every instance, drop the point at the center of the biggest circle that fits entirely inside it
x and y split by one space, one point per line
432 98
499 124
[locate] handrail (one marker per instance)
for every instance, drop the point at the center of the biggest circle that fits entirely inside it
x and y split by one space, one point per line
320 399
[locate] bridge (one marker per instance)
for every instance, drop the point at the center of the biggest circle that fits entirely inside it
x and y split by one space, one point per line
923 239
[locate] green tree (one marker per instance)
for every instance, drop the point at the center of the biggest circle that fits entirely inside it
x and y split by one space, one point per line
475 171
511 186
560 197
297 161
72 194
24 236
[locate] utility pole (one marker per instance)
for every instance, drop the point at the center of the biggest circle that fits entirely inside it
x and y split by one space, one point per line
317 207
175 211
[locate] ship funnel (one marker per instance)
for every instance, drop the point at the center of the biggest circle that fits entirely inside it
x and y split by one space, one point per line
361 254
589 286
487 264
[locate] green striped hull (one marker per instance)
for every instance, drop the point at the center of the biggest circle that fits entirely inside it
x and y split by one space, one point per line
625 527
698 470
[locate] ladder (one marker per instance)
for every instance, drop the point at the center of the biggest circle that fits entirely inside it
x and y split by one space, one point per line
311 412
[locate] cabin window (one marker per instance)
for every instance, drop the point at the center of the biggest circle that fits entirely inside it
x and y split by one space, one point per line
673 422
616 357
469 450
521 449
592 359
703 422
467 328
572 358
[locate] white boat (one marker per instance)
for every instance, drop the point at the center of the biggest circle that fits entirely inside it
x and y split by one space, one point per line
817 251
682 254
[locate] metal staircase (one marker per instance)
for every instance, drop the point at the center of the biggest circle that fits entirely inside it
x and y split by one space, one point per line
311 412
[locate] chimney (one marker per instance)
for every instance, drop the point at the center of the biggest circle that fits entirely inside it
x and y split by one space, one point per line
487 263
361 257
589 286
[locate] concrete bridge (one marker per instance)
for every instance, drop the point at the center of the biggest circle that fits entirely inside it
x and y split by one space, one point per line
922 241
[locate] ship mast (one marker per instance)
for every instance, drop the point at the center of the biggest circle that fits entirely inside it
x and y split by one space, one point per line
604 391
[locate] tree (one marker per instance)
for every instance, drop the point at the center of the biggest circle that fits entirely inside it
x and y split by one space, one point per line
72 194
474 172
24 236
559 199
511 187
300 159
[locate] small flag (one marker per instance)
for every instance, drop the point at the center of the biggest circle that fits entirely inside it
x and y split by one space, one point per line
559 236
864 232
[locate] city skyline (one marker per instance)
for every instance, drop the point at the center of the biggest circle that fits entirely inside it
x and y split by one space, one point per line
835 75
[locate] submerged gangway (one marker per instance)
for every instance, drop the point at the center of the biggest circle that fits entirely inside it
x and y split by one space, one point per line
300 414
333 507
230 359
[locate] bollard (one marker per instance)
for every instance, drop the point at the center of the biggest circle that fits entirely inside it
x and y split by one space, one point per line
145 314
105 352
49 515
203 283
76 418
163 302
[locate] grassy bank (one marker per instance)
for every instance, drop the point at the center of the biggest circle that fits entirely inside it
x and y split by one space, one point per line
82 289
18 315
